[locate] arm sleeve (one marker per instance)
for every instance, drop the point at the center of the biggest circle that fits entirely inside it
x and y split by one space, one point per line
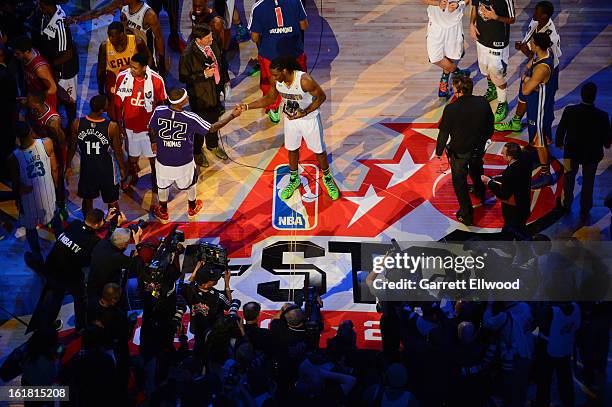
223 300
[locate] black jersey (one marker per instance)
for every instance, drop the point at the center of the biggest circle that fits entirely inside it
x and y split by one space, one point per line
96 150
494 34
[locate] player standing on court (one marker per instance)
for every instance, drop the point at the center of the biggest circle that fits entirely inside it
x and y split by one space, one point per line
490 27
99 143
172 132
445 38
114 55
536 89
139 90
542 23
301 96
34 176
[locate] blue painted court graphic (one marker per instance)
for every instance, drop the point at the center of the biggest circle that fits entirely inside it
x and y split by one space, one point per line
301 210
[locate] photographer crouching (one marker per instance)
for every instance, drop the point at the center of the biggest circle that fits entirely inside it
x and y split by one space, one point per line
109 264
206 303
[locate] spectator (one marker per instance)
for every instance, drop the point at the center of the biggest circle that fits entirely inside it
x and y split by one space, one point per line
471 387
54 40
513 188
513 323
200 70
276 39
108 261
114 330
260 338
91 374
392 391
554 349
40 364
583 132
318 384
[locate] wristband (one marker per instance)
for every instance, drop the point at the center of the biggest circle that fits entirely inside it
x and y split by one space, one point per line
461 3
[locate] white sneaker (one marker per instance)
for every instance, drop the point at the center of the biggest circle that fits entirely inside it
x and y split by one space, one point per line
20 232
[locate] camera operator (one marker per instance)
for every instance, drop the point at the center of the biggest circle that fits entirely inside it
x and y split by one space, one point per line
70 253
114 328
158 293
108 260
205 302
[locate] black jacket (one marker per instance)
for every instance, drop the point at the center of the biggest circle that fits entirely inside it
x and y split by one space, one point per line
202 91
71 252
107 261
468 121
583 132
514 182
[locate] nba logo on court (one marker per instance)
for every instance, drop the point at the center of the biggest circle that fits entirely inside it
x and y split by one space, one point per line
300 211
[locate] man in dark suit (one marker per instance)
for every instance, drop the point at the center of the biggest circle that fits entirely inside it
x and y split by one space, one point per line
200 69
513 188
469 123
583 132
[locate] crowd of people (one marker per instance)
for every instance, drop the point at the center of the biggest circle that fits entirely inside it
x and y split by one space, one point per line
434 353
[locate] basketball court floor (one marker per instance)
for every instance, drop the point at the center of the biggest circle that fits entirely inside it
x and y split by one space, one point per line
380 121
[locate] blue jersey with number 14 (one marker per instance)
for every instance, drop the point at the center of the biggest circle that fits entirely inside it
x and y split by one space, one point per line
175 132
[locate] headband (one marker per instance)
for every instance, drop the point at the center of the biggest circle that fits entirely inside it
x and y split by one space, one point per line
179 100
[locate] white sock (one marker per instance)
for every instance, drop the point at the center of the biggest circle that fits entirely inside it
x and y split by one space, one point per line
191 193
501 95
163 194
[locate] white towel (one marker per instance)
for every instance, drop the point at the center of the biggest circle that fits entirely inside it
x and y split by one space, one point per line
127 87
52 28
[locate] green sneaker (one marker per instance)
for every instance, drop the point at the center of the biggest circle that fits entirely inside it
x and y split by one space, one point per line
491 94
332 189
219 152
501 112
294 183
512 125
274 115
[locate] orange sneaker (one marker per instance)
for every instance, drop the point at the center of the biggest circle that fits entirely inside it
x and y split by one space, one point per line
198 207
160 213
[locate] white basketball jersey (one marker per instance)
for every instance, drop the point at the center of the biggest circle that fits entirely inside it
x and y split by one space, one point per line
135 22
294 97
444 18
549 29
38 206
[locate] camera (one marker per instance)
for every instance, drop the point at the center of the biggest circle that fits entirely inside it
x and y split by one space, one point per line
212 255
162 258
177 319
140 225
232 313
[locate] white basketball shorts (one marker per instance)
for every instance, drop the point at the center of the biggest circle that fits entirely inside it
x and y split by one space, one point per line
308 128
